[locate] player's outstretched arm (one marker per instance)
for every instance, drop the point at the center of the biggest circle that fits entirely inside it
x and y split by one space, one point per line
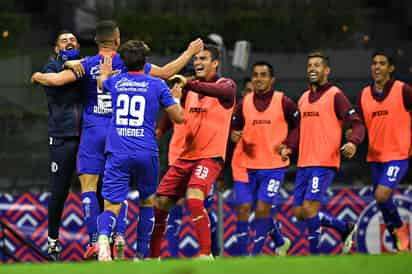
176 65
54 79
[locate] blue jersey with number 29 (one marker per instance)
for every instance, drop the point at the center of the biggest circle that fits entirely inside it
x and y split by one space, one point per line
136 98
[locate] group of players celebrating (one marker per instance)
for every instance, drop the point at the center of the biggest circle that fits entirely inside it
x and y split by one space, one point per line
120 95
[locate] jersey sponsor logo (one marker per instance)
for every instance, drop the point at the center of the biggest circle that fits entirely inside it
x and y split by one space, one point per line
125 85
372 236
310 114
261 122
197 110
380 113
95 71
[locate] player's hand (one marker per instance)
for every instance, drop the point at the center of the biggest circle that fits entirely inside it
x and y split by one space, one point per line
348 133
34 76
176 91
235 135
348 150
106 67
283 151
195 46
177 79
158 133
75 66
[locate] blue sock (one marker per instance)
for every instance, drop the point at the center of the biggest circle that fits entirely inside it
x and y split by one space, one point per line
91 210
173 228
331 221
106 223
276 234
390 214
313 225
144 231
262 227
242 235
122 219
213 230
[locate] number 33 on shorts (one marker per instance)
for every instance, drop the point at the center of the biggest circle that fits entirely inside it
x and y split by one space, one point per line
201 172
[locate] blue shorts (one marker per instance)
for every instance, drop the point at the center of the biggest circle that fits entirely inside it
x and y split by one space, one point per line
142 168
91 157
263 185
311 184
388 174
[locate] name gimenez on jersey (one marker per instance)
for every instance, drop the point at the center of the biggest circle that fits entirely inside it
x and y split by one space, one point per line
130 132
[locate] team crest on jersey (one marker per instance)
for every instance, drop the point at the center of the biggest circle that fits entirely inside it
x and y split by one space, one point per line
372 236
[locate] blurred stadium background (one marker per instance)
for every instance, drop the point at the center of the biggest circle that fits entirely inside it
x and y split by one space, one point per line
281 32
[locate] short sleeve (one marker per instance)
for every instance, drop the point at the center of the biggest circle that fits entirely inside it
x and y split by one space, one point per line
166 98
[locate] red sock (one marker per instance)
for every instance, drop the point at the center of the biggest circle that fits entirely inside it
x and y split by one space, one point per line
202 224
158 231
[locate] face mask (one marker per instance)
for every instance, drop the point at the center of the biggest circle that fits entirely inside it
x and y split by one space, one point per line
72 54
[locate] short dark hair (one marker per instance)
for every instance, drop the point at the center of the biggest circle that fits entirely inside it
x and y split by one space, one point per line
385 53
105 31
321 55
133 54
61 32
214 51
264 63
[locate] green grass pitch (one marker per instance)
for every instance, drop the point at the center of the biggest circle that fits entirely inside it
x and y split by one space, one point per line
359 264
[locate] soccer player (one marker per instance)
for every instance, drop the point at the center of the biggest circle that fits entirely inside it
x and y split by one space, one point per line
96 118
385 107
262 120
175 148
131 142
323 110
65 108
209 104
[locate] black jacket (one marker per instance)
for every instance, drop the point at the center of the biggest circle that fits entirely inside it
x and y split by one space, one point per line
64 103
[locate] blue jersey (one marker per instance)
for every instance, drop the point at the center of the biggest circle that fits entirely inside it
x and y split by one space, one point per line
97 103
136 99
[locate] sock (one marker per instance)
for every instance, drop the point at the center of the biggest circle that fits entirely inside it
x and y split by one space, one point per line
202 224
91 210
144 231
313 225
262 227
106 223
331 221
213 231
158 231
276 234
390 214
242 235
121 221
173 228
